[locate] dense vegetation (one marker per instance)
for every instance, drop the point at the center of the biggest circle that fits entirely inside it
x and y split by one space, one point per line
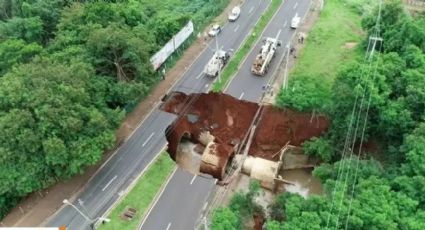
383 187
242 207
68 69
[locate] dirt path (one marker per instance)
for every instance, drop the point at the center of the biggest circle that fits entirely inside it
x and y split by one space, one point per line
38 206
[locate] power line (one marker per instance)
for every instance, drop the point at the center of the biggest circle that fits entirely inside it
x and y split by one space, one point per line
369 58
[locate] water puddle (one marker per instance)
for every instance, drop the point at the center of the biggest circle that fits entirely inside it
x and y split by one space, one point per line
304 182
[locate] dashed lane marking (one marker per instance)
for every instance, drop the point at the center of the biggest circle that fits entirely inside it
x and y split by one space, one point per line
149 138
109 183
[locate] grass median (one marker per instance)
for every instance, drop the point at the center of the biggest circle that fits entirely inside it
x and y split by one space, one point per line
232 67
141 195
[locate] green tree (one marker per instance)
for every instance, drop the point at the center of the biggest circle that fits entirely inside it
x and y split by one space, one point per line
224 219
118 52
244 203
14 52
414 149
49 126
319 147
305 93
28 29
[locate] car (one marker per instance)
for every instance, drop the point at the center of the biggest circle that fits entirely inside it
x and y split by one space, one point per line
295 21
234 15
215 30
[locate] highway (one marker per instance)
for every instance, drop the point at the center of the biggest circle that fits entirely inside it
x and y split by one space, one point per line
185 197
135 154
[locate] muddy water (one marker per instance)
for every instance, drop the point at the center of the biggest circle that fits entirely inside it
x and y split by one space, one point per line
305 183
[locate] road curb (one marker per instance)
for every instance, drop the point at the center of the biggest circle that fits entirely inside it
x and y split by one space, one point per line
132 184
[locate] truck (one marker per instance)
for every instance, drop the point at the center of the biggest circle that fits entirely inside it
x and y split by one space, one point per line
216 63
267 52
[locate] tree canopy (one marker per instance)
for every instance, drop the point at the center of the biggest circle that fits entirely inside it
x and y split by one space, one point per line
383 190
379 185
69 71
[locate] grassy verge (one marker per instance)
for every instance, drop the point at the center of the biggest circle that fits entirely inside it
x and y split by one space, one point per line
232 66
328 43
142 194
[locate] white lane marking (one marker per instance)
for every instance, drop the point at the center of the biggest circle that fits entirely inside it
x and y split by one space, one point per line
109 183
250 10
237 27
156 199
295 6
206 86
240 97
200 75
168 226
149 138
284 24
193 179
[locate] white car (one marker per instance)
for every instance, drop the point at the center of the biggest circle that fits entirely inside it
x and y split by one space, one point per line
295 21
215 30
234 15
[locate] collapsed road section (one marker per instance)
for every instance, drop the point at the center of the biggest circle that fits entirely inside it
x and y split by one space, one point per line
212 128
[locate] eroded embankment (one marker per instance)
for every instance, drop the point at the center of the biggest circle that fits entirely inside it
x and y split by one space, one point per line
210 127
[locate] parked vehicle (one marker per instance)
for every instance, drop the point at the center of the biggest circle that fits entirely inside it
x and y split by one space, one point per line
263 59
234 15
215 30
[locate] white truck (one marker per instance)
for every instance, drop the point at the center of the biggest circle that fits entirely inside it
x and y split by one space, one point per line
267 53
216 63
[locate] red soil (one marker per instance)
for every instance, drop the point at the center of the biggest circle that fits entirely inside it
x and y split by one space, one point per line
278 127
228 120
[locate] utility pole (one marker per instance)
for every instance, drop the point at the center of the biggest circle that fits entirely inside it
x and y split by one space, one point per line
205 223
374 39
285 76
92 222
216 52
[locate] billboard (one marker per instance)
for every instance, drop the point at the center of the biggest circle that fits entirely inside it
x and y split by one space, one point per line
174 43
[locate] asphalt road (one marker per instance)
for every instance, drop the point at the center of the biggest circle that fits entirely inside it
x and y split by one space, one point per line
181 203
185 196
248 86
148 139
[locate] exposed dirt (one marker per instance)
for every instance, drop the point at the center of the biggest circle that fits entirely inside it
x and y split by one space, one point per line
278 127
36 207
219 114
415 7
229 119
350 45
258 221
